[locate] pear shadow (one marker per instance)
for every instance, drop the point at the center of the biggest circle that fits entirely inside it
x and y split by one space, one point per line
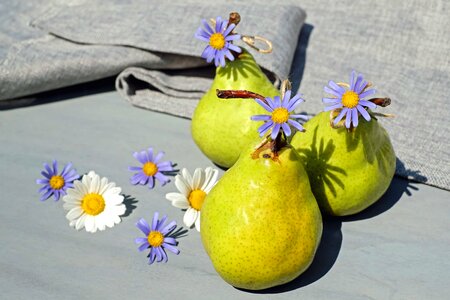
299 61
326 256
397 188
322 173
129 202
243 66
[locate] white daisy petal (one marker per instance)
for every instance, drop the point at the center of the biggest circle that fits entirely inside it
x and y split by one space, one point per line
187 176
176 197
96 217
181 185
212 180
183 204
80 222
197 178
190 216
74 213
89 223
197 222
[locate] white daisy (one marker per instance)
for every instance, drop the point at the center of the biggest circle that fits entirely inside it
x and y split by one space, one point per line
93 203
193 190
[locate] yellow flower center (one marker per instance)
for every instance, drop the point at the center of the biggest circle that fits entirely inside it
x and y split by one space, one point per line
56 182
350 99
93 204
155 238
217 41
280 115
150 168
196 198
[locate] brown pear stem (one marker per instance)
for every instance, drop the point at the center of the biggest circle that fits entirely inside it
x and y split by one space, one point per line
233 94
234 18
383 102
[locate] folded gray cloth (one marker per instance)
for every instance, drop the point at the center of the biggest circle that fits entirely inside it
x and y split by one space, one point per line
402 47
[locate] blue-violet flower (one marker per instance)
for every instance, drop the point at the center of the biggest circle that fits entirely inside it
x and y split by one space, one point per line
350 101
219 41
56 184
151 169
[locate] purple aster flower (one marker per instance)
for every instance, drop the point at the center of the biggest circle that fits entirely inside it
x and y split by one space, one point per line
56 184
151 169
156 238
350 101
219 41
280 114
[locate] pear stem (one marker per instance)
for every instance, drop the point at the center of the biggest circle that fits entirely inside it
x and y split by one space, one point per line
233 94
383 102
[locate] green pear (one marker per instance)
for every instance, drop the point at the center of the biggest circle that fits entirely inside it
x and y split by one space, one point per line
223 128
348 170
260 224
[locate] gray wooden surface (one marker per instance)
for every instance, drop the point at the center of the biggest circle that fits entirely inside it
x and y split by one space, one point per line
397 249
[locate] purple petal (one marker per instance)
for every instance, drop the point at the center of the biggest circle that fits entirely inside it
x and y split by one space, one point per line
134 168
218 24
143 226
144 246
264 105
332 92
56 195
229 55
155 221
42 181
277 101
55 167
136 178
229 29
151 182
162 178
171 248
161 223
355 117
140 240
46 195
358 82
341 115
234 48
336 87
303 117
275 130
330 100
49 170
152 256
207 27
363 112
46 175
331 107
261 118
367 103
348 118
295 101
159 255
367 93
223 26
264 128
171 226
233 37
296 125
201 36
286 98
149 154
158 156
222 59
286 129
352 81
66 169
170 241
361 87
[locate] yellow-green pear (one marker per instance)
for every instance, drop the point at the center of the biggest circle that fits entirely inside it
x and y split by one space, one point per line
348 169
223 128
260 224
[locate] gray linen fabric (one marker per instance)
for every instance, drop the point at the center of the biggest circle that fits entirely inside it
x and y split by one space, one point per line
402 47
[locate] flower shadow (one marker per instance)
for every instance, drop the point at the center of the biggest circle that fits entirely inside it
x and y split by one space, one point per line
322 173
180 232
244 66
326 255
129 202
